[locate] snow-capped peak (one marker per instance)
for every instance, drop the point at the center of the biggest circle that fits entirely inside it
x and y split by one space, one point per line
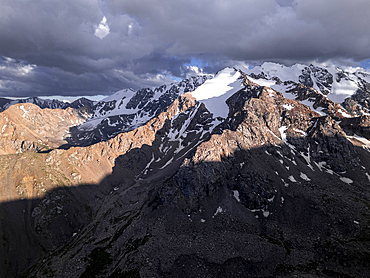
270 70
329 80
214 92
127 109
125 93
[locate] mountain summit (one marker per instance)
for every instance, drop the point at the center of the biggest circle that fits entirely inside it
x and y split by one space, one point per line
259 172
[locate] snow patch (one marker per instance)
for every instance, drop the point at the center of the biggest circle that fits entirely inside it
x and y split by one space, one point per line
303 176
236 195
307 158
346 180
368 176
168 163
344 113
271 92
285 184
329 171
148 165
320 165
282 133
262 82
363 140
288 106
218 210
24 110
300 131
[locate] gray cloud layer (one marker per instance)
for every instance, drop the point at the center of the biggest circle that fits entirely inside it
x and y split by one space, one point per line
53 48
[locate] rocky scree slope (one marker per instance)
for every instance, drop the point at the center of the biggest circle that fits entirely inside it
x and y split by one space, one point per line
274 188
27 127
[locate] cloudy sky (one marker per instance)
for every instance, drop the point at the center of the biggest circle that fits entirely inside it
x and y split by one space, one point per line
94 47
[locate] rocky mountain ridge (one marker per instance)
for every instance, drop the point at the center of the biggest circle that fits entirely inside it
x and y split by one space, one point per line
271 187
45 103
127 110
327 90
350 89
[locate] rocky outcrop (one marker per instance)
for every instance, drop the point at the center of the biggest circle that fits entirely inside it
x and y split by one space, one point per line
359 125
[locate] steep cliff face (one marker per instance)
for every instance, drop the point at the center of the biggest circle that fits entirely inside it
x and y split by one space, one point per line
234 179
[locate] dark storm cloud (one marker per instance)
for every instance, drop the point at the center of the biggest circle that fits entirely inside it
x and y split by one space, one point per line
156 63
55 49
249 30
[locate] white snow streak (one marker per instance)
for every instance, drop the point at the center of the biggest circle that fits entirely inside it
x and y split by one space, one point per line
304 177
24 110
236 195
219 210
346 180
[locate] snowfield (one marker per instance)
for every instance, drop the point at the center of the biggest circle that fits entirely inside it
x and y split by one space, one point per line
214 92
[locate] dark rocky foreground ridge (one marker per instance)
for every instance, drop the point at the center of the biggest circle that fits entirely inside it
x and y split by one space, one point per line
273 190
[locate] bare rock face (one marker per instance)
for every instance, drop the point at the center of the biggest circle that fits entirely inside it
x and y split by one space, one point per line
27 127
359 125
324 79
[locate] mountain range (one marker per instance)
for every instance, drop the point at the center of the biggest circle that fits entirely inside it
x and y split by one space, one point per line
260 172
